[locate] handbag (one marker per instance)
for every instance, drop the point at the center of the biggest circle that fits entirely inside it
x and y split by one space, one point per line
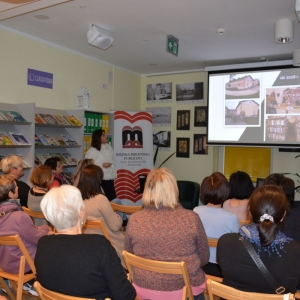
263 269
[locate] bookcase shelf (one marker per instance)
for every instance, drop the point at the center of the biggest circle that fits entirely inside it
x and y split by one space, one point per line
14 123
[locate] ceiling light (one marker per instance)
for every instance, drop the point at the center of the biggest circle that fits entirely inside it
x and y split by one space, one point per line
152 65
42 17
284 31
98 37
220 31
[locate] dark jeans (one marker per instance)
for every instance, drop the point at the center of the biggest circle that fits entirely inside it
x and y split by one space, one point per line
212 269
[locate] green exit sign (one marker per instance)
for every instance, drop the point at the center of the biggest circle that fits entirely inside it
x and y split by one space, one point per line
172 44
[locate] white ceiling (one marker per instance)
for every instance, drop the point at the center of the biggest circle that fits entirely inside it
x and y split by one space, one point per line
249 26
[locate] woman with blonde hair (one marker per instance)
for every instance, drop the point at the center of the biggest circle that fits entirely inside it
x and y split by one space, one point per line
165 231
41 177
71 263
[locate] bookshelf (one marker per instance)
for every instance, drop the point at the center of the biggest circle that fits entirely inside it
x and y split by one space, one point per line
55 130
275 128
91 121
26 129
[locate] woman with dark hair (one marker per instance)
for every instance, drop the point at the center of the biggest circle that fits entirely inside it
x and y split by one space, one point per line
103 155
98 207
216 220
291 223
279 253
241 187
57 169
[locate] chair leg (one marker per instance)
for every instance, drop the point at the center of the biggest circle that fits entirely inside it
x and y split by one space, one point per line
7 289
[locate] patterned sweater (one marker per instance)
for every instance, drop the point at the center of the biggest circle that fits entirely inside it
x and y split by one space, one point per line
169 235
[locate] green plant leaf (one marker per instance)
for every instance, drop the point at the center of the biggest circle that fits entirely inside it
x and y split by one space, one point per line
166 159
155 155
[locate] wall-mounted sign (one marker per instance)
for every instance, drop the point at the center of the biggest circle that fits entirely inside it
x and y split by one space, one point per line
39 78
172 44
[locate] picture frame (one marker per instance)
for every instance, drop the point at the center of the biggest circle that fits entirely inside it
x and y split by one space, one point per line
183 147
200 146
200 116
189 93
183 119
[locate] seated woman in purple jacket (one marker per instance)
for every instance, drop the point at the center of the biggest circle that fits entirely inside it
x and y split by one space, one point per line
14 221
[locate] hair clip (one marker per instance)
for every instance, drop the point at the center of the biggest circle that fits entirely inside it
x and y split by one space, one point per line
265 217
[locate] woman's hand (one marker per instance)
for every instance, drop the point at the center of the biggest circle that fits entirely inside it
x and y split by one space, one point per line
106 165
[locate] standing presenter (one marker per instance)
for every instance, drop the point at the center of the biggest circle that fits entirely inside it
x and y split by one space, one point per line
103 155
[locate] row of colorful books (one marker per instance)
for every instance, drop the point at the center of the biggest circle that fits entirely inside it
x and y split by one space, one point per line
56 120
94 121
13 116
12 138
59 140
66 159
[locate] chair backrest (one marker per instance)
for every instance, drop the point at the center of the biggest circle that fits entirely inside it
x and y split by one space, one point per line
212 242
17 280
99 225
45 294
127 209
33 214
189 193
159 267
229 293
244 222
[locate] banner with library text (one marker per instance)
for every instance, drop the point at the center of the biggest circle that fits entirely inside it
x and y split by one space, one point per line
133 147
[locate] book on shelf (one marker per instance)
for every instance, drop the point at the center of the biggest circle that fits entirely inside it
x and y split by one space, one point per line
39 120
37 141
49 118
71 160
10 115
61 120
46 140
19 138
63 161
59 141
72 120
68 176
42 157
4 139
69 140
37 161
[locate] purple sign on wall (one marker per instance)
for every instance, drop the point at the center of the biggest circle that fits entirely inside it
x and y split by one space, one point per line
39 78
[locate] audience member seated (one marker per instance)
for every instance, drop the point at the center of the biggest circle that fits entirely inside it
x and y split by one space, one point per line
71 263
278 252
241 188
81 164
14 221
13 165
57 169
216 220
98 207
41 177
291 224
165 231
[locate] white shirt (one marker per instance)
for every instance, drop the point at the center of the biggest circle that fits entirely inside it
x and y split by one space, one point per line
105 155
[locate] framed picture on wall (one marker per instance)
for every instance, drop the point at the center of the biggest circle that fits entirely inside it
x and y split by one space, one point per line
183 119
200 116
159 92
183 147
200 146
189 93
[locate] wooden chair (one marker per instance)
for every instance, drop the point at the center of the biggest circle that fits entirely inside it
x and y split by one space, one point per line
127 209
45 294
229 293
97 224
244 222
17 280
33 214
159 267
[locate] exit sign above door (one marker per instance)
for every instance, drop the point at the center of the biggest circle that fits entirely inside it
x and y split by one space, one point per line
172 44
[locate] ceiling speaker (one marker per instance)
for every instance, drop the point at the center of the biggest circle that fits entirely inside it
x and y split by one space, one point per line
98 37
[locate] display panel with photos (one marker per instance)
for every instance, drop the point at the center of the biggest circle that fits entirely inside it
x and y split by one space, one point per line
159 92
183 120
200 144
254 107
183 147
200 116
